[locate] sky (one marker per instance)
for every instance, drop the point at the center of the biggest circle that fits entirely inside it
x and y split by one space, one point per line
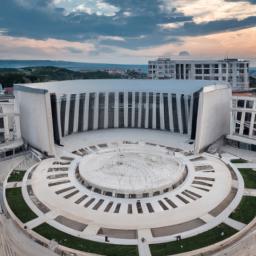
127 31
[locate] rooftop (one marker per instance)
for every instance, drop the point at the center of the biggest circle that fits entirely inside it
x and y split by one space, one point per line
111 85
201 60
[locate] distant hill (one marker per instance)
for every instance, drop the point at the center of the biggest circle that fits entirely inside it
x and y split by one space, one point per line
75 66
11 76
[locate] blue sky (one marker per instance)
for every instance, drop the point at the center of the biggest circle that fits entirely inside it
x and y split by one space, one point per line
127 31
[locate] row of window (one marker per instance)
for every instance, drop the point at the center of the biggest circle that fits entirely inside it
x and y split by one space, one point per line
243 126
241 103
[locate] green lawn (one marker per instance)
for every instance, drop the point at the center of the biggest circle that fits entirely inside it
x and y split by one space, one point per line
67 240
189 244
16 176
246 210
249 177
18 205
239 161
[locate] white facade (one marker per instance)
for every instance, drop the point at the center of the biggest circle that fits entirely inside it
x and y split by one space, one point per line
234 71
213 116
243 121
52 111
9 121
10 134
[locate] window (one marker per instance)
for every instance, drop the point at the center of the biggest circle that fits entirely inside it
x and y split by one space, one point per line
150 114
101 110
111 110
130 109
166 112
1 122
158 126
81 112
71 113
249 104
137 97
63 114
240 103
121 110
175 113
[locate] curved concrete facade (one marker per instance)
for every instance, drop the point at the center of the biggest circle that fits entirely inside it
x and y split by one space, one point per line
52 111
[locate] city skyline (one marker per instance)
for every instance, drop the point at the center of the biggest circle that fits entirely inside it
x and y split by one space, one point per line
130 31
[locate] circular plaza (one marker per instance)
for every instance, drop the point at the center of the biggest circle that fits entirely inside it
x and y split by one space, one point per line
132 170
128 188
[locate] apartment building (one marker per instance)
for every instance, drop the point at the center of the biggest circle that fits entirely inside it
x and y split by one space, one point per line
234 71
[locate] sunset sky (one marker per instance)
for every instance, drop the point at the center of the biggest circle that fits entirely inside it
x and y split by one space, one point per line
127 31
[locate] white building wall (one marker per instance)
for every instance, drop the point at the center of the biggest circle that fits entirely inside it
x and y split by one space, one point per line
86 111
96 112
76 113
162 126
58 106
133 109
126 109
116 114
36 120
68 97
165 68
106 111
211 127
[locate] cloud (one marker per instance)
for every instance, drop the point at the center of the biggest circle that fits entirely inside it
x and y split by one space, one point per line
202 11
98 7
111 38
169 26
3 31
74 50
121 26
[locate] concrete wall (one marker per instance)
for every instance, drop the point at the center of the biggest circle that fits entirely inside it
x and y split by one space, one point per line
36 119
213 115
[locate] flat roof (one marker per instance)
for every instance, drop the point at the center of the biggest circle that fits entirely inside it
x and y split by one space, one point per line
204 61
111 85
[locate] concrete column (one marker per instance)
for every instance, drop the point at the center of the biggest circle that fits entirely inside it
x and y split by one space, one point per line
86 111
179 113
241 130
170 112
96 111
106 111
76 114
58 106
190 117
6 128
116 121
162 125
154 111
67 113
147 110
125 109
140 108
220 75
184 71
234 71
186 108
133 109
17 126
246 77
252 119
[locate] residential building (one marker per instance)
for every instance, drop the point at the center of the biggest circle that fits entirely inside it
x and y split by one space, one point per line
233 71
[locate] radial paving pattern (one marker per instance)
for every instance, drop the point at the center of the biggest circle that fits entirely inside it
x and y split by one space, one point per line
129 188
